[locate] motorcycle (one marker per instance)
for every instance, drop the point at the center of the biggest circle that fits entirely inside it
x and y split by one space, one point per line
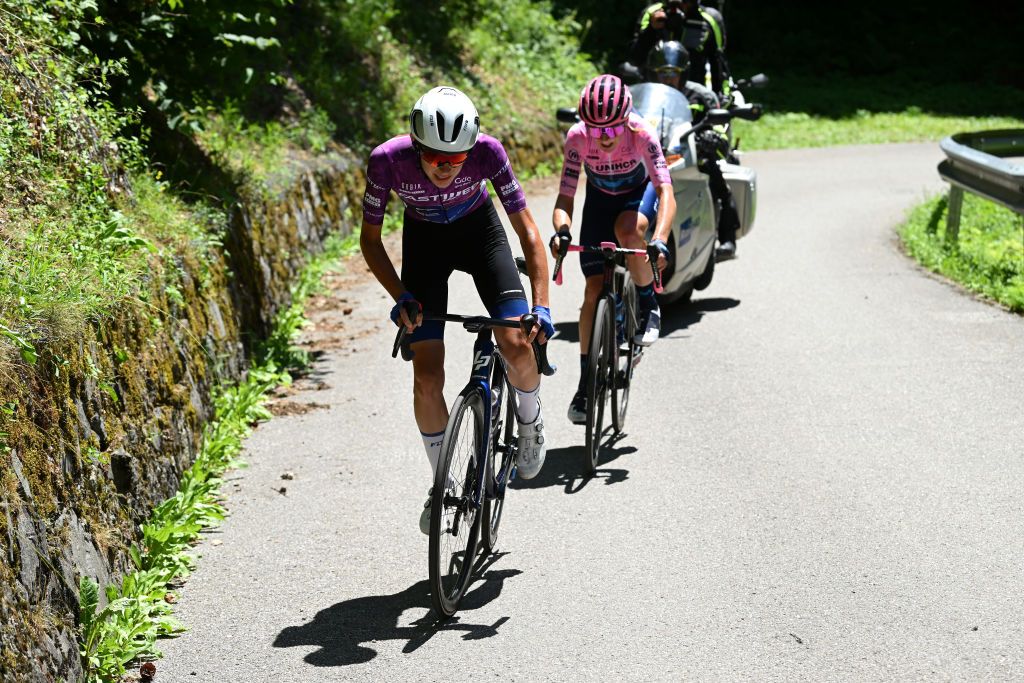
691 262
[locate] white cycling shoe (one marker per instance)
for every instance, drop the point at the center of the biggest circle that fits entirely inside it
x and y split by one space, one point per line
532 447
652 328
425 515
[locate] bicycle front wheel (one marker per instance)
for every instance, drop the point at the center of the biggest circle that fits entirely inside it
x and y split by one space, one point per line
626 354
499 458
599 373
454 517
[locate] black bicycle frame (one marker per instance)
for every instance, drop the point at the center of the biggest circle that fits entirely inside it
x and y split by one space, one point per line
480 378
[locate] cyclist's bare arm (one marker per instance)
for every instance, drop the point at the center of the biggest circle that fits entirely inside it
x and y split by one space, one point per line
666 212
562 217
533 250
376 257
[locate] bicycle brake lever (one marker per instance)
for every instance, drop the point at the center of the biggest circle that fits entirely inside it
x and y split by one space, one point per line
412 310
652 257
540 351
564 239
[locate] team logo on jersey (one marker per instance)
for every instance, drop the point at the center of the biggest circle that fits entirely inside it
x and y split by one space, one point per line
653 148
508 188
573 156
370 200
462 181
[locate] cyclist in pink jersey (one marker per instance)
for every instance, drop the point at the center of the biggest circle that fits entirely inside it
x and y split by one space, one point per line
628 189
440 171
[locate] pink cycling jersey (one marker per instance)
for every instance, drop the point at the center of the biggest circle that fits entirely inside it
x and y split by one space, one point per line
636 158
395 165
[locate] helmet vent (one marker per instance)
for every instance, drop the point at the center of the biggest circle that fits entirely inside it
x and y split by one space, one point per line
417 124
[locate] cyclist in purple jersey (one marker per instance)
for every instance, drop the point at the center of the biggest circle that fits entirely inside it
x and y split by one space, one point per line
440 172
628 189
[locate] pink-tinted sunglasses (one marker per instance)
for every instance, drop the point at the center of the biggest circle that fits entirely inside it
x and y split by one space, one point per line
609 132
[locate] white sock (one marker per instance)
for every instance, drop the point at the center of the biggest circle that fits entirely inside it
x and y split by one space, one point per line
432 443
527 407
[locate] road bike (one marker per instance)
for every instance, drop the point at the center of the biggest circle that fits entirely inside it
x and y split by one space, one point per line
613 352
477 461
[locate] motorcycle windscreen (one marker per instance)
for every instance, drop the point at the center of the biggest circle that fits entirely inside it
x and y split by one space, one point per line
662 106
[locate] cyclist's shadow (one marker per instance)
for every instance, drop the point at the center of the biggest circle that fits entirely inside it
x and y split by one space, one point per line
564 467
340 630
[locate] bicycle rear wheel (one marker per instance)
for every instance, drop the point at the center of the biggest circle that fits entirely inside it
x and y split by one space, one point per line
454 518
625 356
499 456
599 373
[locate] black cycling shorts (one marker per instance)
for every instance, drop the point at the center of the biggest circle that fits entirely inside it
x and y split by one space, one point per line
475 244
601 210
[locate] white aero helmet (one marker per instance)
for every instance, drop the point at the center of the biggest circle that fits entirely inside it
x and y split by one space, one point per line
445 120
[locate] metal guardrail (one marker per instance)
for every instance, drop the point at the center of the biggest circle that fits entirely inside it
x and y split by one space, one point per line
976 162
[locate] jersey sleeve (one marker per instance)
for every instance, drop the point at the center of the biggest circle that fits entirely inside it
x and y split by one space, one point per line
503 178
653 156
572 160
379 181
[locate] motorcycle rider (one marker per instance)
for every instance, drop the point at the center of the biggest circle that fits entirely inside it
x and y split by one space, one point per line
627 182
700 29
666 63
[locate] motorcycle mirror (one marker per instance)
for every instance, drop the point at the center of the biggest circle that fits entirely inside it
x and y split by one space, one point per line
567 115
748 112
759 81
718 117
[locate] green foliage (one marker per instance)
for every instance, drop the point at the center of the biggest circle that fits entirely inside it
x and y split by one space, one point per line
988 258
367 62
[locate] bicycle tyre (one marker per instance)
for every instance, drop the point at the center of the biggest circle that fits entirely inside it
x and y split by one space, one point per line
624 361
502 441
598 372
452 514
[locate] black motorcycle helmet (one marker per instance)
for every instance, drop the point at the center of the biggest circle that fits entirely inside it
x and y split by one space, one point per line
668 56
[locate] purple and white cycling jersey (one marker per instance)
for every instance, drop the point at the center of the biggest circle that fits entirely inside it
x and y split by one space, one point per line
395 165
636 158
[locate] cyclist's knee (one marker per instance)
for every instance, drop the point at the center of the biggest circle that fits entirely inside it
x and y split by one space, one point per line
516 349
593 289
631 230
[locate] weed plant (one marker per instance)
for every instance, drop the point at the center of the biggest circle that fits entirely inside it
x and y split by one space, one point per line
988 257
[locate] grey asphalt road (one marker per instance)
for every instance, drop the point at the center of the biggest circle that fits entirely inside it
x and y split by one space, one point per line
821 479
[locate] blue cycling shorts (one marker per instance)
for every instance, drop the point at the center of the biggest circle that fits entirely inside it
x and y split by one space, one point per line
600 212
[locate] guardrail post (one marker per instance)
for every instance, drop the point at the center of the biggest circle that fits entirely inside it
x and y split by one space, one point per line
956 202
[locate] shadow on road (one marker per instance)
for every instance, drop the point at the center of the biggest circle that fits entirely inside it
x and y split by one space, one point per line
676 318
568 331
341 630
564 467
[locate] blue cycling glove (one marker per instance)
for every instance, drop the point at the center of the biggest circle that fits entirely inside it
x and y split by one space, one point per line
660 246
396 315
543 314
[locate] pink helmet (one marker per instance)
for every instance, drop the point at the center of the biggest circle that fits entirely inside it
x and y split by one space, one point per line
605 101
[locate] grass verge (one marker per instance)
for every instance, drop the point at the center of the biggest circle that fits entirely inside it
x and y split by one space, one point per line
803 111
800 129
987 259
